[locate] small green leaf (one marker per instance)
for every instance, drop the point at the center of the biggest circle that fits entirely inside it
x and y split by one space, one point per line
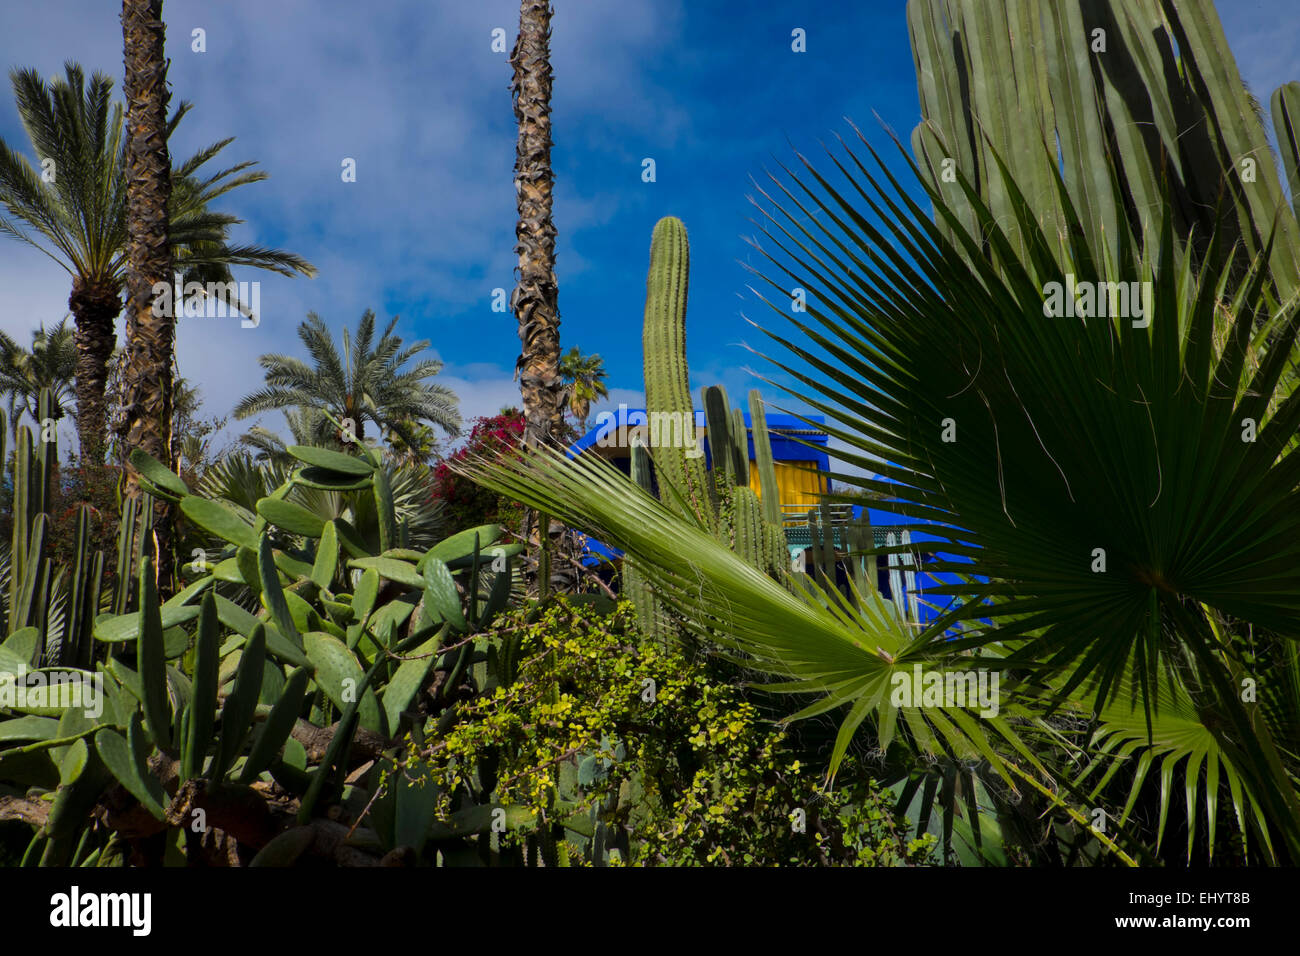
28 728
300 611
234 617
327 556
408 679
249 570
182 598
126 627
339 675
441 598
127 678
203 704
363 596
460 546
237 712
323 479
403 554
273 595
278 725
385 513
417 806
151 658
351 539
22 644
291 567
73 762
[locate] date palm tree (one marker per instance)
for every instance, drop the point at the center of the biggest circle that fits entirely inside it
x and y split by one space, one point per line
50 363
584 377
535 298
72 207
364 381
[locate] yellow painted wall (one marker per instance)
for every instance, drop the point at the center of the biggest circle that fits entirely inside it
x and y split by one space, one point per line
799 482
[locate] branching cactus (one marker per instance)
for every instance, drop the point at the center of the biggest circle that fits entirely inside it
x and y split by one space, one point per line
720 496
667 378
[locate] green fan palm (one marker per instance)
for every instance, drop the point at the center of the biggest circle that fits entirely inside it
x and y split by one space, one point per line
847 655
72 207
1117 480
364 381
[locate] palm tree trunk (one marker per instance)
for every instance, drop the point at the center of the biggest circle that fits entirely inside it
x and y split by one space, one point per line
95 306
535 299
147 370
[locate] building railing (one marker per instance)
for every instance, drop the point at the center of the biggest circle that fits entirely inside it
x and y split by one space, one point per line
901 566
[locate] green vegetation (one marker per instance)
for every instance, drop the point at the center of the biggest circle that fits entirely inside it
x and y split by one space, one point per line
74 210
353 647
364 381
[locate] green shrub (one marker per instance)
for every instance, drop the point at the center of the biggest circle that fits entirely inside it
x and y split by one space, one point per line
626 751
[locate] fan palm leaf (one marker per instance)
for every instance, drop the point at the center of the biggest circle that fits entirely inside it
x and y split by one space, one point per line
1111 475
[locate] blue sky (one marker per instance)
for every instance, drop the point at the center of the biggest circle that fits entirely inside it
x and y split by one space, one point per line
710 89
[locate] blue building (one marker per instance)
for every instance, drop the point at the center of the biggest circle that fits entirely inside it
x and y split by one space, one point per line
802 463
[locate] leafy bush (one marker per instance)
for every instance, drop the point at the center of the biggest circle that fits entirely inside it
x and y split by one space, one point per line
626 751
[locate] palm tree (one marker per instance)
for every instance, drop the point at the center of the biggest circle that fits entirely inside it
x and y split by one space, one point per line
535 298
73 209
365 381
584 377
51 363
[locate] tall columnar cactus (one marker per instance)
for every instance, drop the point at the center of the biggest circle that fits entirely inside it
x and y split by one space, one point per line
667 378
772 520
752 528
721 497
763 461
24 551
1149 86
58 604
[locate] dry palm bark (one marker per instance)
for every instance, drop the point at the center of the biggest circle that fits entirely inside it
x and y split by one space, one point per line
535 299
147 369
95 305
